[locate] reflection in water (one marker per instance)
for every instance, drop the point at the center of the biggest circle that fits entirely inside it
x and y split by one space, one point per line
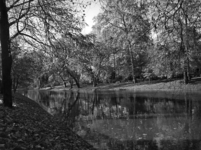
119 120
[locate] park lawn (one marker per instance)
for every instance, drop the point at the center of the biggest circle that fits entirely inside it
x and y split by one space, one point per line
176 86
166 85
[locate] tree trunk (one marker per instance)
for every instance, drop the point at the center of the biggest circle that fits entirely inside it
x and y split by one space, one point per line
94 82
186 80
6 56
65 84
185 77
15 83
188 70
76 82
114 61
94 79
186 52
132 64
71 83
73 76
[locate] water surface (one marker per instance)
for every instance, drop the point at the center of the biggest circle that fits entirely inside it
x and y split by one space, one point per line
123 120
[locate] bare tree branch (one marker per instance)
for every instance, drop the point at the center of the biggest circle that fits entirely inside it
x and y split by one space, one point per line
18 5
21 15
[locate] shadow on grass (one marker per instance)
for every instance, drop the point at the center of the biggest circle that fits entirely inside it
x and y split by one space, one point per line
128 84
106 86
196 80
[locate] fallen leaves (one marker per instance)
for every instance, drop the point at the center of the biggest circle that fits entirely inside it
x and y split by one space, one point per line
28 126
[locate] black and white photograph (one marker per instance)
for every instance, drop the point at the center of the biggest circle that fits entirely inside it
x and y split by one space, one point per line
100 74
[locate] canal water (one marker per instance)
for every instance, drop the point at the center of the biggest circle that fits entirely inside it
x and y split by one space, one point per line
122 120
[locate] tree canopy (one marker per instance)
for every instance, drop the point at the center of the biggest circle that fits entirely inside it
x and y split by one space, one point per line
131 40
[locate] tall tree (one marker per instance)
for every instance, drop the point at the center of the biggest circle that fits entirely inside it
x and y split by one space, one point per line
6 56
34 22
175 20
126 23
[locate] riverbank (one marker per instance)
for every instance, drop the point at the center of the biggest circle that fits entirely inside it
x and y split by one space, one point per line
28 126
176 86
173 86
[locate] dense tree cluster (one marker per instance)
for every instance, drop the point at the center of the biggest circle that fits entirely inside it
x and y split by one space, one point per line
155 39
132 40
35 25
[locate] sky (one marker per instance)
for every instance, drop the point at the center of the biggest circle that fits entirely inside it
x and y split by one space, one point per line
90 12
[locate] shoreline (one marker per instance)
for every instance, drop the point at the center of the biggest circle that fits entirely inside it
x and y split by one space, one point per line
28 126
173 86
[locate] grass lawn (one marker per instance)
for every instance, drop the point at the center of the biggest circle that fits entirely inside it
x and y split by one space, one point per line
165 85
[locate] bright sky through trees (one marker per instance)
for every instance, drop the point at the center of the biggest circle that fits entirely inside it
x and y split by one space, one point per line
91 11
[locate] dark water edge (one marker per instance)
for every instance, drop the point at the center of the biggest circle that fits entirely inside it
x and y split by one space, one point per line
125 120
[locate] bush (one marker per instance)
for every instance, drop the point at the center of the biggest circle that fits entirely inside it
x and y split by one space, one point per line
119 78
128 78
112 76
149 74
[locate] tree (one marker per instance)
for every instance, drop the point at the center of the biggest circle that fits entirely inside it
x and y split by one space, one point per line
93 56
126 24
24 69
64 61
6 56
175 20
33 22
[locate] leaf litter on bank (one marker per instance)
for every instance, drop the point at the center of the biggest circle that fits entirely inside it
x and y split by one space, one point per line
28 126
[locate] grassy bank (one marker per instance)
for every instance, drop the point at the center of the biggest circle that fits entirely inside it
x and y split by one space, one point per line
176 86
28 127
166 85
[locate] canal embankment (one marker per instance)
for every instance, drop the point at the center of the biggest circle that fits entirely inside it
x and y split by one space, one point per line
176 86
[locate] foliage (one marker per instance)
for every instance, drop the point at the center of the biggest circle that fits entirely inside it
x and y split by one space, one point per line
125 28
35 23
132 39
24 71
176 23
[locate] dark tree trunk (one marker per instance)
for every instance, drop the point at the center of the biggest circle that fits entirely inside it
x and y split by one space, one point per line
73 77
6 56
65 84
15 83
76 82
186 72
185 77
94 80
186 52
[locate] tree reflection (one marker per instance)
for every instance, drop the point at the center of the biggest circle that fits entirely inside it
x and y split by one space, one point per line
128 121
